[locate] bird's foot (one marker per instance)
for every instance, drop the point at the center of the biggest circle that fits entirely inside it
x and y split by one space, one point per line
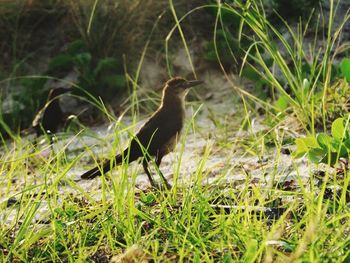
161 186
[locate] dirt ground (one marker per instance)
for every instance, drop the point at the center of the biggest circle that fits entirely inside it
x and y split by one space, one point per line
212 135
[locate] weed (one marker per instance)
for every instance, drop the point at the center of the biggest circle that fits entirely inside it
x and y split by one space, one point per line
225 206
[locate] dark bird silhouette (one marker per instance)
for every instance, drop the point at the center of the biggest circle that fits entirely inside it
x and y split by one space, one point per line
49 118
158 136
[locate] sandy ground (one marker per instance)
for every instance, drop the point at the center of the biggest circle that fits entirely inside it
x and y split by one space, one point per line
225 161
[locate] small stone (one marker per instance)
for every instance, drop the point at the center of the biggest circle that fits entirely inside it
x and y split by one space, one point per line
286 151
11 201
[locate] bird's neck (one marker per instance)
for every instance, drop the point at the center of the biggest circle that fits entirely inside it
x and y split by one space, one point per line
54 101
53 104
173 103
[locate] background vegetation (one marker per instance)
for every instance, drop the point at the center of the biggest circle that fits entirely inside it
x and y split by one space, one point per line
292 58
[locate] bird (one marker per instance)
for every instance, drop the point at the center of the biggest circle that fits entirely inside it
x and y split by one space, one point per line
50 116
158 136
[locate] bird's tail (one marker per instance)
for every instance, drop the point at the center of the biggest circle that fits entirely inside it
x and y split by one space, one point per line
97 171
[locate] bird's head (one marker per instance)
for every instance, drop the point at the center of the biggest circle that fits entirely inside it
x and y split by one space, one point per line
179 87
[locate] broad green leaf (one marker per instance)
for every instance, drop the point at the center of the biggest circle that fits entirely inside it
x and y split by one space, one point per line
115 80
343 151
301 147
61 62
211 56
106 64
304 145
148 199
282 103
338 129
335 145
311 142
83 59
347 143
324 140
75 47
330 159
316 155
345 69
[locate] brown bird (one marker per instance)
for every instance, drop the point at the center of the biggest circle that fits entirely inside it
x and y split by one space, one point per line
50 116
158 136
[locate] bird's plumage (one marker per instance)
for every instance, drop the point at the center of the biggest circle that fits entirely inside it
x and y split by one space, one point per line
50 115
158 136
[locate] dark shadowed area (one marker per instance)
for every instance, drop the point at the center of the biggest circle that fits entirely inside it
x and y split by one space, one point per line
174 131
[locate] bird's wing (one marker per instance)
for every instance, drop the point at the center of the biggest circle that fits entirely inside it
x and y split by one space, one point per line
158 131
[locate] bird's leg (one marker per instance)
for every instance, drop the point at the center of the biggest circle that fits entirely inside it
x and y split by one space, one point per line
145 167
164 180
51 140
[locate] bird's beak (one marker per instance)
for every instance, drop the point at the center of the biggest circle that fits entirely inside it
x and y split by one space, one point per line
192 83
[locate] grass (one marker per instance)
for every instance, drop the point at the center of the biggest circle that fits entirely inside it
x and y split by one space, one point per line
198 222
304 66
236 197
90 38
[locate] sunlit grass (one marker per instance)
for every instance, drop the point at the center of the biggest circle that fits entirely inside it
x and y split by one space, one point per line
48 215
193 221
299 68
206 222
